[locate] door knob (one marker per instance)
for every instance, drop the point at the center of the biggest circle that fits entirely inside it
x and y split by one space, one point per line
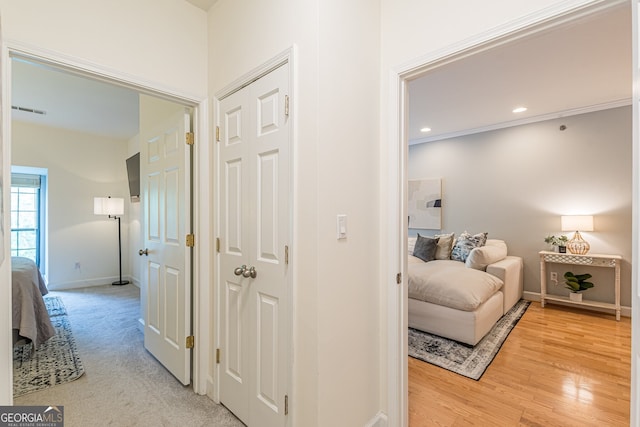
240 271
144 251
250 273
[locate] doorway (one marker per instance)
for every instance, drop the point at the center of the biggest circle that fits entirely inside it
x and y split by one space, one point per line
399 166
79 71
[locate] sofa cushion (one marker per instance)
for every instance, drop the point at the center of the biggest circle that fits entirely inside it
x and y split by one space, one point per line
451 286
465 243
425 248
493 251
445 245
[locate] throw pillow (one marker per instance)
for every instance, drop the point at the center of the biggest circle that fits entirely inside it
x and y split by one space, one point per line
465 243
445 244
493 251
425 248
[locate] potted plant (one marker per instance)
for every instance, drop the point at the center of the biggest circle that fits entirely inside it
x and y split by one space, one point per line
559 241
576 284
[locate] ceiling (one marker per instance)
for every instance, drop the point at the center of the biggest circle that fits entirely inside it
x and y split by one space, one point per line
581 66
577 67
71 102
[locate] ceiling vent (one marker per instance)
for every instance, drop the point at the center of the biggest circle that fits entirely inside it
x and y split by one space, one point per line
29 110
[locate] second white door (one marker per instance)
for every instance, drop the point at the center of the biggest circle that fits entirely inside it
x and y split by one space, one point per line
255 229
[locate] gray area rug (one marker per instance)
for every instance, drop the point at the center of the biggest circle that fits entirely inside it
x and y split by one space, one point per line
460 358
54 362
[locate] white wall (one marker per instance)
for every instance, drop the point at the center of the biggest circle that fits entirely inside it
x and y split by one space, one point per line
336 340
156 43
161 41
81 166
516 182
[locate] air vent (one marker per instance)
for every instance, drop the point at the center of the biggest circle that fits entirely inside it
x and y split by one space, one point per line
28 110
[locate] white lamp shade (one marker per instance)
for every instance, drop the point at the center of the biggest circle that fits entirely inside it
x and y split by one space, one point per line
108 206
577 222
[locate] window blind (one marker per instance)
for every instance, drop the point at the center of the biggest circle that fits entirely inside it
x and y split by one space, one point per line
25 180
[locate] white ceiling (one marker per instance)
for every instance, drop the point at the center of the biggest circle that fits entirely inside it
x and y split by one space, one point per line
573 68
72 102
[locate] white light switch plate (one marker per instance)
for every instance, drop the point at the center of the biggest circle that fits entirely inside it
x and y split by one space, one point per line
342 227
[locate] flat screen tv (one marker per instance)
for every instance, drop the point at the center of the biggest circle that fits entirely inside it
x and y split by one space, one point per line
133 172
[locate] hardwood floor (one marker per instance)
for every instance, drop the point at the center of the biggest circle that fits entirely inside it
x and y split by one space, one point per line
559 367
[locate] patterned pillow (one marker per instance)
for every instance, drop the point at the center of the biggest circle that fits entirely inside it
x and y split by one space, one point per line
465 243
425 248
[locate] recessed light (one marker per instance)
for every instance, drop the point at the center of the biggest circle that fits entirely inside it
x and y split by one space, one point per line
425 130
520 110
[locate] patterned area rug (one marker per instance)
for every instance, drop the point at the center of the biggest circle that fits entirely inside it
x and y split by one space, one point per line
55 307
55 362
462 358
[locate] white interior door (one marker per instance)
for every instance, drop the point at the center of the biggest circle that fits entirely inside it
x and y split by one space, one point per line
254 212
165 171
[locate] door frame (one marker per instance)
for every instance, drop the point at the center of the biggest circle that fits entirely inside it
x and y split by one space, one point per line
286 58
200 206
395 206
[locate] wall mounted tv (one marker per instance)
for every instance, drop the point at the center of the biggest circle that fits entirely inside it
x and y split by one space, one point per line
133 172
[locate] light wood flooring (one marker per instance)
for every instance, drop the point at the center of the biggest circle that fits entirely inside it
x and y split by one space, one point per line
559 367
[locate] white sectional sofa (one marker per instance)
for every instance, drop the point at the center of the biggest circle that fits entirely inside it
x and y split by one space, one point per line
463 300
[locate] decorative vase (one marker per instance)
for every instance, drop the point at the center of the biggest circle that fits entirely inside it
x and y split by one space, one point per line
575 296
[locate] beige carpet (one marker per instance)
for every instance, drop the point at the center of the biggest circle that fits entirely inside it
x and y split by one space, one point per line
123 384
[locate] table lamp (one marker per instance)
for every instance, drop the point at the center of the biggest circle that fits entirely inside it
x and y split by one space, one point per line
577 245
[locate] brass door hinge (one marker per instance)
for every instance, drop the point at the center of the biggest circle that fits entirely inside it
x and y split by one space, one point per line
286 404
218 244
399 278
217 133
190 341
190 138
217 355
286 255
191 240
286 105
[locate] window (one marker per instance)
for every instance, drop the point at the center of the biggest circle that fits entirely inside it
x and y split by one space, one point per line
27 215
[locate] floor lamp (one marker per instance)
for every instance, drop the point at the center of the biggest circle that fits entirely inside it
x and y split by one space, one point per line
114 208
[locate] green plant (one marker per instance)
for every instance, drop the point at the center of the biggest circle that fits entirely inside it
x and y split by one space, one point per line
556 240
577 283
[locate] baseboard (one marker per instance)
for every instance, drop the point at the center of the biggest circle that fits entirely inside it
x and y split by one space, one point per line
86 283
380 420
535 296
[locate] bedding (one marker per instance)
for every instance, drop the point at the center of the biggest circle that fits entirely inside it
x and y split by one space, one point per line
30 318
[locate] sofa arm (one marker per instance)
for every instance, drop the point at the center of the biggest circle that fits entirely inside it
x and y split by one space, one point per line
510 271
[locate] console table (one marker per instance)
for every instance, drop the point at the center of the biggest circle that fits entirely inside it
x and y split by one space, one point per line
591 260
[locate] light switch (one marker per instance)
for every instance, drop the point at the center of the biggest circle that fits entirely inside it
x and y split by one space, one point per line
342 227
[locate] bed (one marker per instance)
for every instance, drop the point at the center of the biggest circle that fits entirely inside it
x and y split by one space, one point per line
30 319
